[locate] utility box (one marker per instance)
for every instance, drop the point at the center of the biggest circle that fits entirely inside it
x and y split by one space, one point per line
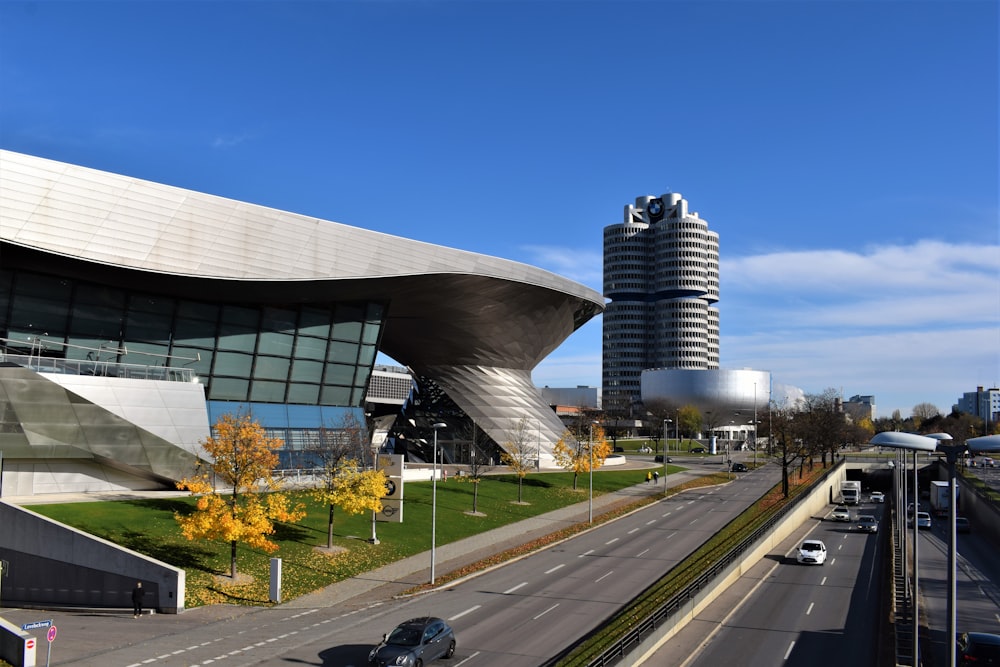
274 592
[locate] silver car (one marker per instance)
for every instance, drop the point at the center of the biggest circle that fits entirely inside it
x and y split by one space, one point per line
414 643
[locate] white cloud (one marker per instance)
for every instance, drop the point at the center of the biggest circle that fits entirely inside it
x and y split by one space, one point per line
908 324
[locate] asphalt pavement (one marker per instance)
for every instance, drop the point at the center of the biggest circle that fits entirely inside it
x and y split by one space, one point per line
84 634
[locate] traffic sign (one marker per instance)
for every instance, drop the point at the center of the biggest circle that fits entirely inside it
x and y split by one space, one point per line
52 634
35 625
29 643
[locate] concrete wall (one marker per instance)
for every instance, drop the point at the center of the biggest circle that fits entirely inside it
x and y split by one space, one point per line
18 647
54 565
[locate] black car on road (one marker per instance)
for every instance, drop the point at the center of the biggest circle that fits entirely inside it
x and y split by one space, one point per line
414 643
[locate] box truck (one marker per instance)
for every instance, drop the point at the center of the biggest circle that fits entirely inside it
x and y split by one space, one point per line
850 492
940 494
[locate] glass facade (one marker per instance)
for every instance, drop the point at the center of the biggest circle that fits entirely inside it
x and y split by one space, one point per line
293 366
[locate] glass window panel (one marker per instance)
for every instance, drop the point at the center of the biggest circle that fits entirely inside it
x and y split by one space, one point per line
370 333
278 320
272 342
103 321
310 348
228 389
232 363
144 354
271 368
366 357
357 396
342 352
45 316
198 311
314 322
35 284
335 395
86 347
200 361
99 295
146 303
361 376
346 330
147 326
268 392
236 337
247 317
307 371
376 312
197 333
339 374
307 394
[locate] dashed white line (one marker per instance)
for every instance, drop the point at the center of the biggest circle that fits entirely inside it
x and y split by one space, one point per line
463 613
511 590
810 609
612 541
535 618
651 522
634 530
822 581
603 576
553 569
789 651
586 553
642 553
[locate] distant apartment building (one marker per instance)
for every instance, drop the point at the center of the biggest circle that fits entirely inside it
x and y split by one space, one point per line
661 277
983 403
860 407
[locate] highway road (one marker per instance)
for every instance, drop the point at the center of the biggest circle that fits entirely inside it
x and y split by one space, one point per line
783 613
514 616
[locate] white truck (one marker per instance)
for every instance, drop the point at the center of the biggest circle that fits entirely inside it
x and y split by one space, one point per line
850 492
940 494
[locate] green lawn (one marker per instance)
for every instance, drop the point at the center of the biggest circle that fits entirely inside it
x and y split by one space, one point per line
148 526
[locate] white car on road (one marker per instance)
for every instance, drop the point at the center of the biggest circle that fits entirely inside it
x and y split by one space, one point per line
877 497
841 513
812 552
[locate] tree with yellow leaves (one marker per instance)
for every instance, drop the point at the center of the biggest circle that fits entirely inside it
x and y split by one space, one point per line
242 458
352 489
574 454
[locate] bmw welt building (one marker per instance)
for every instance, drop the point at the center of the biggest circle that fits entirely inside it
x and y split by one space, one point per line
134 314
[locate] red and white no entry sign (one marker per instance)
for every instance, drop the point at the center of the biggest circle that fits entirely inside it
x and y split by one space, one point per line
52 634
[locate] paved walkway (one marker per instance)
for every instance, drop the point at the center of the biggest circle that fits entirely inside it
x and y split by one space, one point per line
86 633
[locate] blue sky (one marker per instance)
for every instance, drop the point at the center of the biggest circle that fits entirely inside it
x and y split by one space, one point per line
846 152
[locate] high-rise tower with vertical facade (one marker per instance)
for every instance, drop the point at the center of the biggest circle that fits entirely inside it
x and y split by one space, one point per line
661 276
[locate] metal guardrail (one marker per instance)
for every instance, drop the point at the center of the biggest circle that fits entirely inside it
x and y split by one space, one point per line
98 368
638 632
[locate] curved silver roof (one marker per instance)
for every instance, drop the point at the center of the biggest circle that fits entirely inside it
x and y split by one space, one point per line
476 324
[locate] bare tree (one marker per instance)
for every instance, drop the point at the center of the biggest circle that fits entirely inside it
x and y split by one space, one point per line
519 452
479 445
925 411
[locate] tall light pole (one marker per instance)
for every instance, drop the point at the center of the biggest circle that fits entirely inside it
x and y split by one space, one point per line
754 424
930 443
590 502
434 496
665 422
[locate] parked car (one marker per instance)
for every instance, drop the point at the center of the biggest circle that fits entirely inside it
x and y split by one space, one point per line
812 552
962 525
698 450
877 497
841 513
978 648
867 523
417 641
740 467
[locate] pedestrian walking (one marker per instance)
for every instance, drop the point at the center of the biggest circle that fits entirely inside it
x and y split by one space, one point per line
649 477
656 476
137 594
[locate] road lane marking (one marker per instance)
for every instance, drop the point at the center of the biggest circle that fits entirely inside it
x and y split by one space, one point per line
535 618
586 553
511 590
612 541
551 570
789 651
610 572
634 530
642 553
810 609
463 613
651 522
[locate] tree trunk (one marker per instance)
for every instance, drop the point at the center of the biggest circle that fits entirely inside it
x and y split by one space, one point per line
232 560
519 480
329 530
475 495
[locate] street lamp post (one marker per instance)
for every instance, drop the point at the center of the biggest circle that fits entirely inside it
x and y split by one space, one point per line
929 443
665 422
754 424
590 502
434 490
